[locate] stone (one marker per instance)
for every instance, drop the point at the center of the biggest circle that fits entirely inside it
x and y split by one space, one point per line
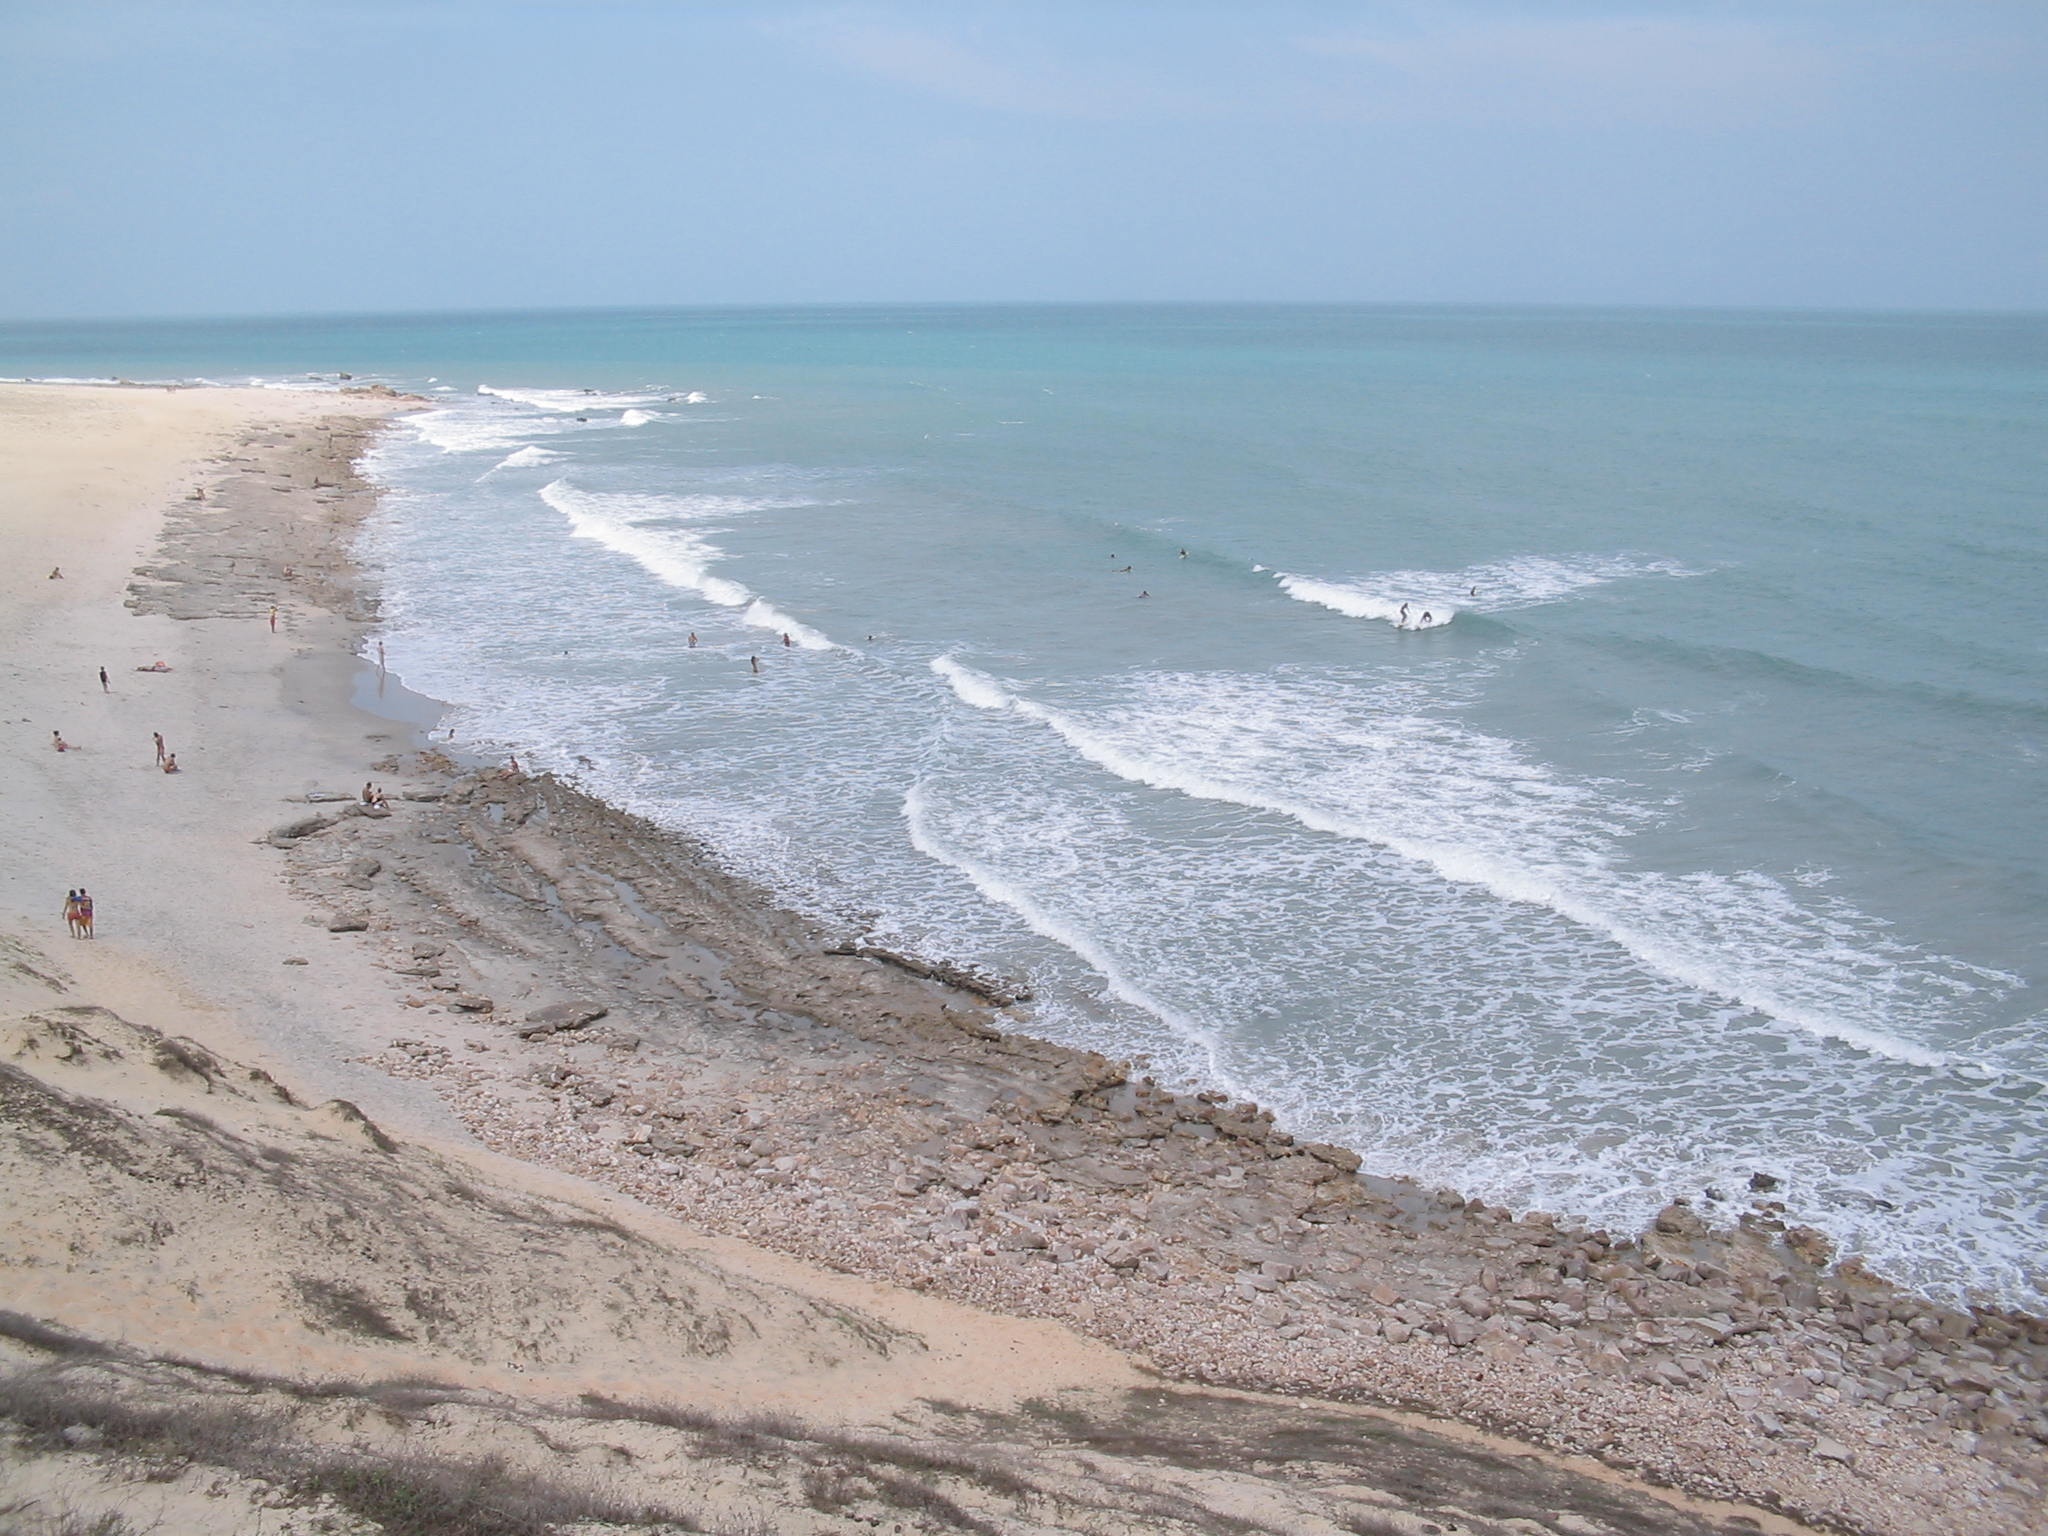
295 960
1833 1450
1809 1246
559 1016
1678 1220
1765 1183
423 950
348 922
284 835
470 1002
965 1179
1460 1332
1341 1158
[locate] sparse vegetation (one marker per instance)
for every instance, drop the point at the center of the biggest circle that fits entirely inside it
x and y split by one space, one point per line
404 1495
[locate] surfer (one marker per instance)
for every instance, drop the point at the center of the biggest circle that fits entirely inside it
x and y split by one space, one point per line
1427 619
1473 593
1403 620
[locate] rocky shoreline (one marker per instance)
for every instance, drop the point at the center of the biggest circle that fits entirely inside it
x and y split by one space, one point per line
590 993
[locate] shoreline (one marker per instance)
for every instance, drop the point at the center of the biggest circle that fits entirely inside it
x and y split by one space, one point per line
840 1110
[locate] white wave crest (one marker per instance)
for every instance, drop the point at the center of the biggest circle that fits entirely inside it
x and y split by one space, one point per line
1357 603
525 458
570 402
467 430
1483 816
1526 581
637 418
917 820
973 687
676 556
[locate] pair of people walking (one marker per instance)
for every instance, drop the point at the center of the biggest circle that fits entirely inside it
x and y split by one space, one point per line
78 913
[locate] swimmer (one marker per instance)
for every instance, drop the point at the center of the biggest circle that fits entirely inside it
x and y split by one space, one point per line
693 639
1144 594
1183 554
1427 618
785 638
754 662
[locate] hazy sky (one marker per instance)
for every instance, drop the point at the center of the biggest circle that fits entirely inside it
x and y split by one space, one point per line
215 157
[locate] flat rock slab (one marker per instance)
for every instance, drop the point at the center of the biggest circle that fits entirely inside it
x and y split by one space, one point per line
560 1016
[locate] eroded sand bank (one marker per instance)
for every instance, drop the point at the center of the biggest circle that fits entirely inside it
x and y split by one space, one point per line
512 979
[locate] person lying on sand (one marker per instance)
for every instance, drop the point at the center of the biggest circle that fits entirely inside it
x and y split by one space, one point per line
57 740
56 574
170 762
154 666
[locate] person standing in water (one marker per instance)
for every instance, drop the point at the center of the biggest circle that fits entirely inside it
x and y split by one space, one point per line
785 638
693 639
754 662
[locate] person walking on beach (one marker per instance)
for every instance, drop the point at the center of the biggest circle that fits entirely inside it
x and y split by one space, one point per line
84 913
105 686
158 738
71 912
273 618
380 655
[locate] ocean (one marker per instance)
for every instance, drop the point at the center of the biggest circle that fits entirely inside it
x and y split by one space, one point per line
1579 757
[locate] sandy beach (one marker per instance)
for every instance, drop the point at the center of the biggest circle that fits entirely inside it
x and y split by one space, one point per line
648 1187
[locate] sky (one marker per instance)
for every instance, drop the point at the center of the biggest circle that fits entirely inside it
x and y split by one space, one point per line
217 157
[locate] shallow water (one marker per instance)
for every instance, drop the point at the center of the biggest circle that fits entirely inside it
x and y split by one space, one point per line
1697 832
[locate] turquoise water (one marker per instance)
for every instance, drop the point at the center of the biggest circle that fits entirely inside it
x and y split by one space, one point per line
1698 833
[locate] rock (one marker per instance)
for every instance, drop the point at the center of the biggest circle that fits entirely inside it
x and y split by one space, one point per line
325 796
283 836
348 922
1272 1269
1460 1332
469 1002
1384 1295
1337 1157
1832 1450
1809 1246
966 1180
1765 1183
426 951
359 872
560 1016
423 795
83 1436
295 960
1678 1220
